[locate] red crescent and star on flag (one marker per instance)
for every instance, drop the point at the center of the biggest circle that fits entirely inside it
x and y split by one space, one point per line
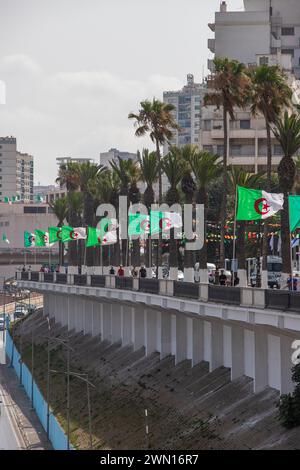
265 206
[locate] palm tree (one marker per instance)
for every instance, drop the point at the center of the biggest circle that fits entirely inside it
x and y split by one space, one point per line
206 168
269 94
149 168
239 177
287 132
75 211
155 118
60 210
87 175
188 187
174 167
229 89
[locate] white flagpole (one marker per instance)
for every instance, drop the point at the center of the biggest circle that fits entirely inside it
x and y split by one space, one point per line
291 249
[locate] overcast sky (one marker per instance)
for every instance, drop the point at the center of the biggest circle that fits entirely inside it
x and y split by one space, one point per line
74 69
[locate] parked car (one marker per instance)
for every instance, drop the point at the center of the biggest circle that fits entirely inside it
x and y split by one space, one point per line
20 311
2 322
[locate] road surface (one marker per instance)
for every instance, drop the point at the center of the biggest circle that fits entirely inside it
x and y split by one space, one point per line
9 436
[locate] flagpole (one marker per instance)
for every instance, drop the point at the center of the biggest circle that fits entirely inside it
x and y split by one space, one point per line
234 238
291 248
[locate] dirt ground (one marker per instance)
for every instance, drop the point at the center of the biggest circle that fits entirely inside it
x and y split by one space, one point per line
188 408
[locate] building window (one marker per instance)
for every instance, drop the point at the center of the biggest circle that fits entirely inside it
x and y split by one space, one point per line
207 125
288 31
278 150
288 51
208 148
34 210
220 150
245 124
263 61
235 150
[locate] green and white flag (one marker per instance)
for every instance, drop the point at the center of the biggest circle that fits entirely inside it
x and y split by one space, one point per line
97 237
29 239
294 203
143 225
257 204
5 239
69 234
55 234
41 238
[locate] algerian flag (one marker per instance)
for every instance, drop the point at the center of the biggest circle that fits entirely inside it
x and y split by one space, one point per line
140 224
55 234
257 204
295 242
294 203
41 238
69 234
97 237
5 239
39 198
29 239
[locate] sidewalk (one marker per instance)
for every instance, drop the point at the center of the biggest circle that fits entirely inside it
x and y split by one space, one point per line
29 428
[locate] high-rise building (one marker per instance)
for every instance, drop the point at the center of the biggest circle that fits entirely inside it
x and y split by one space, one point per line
248 37
265 27
16 171
112 156
187 113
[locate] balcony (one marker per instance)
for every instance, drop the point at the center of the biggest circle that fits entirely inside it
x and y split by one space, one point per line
211 44
211 65
212 27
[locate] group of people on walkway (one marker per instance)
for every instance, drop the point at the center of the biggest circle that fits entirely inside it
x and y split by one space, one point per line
135 272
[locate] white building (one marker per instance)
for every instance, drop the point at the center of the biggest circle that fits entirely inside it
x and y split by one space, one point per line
16 171
17 218
187 113
248 37
112 156
264 27
65 160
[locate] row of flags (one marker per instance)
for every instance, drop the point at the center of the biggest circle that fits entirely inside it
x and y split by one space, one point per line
10 200
106 231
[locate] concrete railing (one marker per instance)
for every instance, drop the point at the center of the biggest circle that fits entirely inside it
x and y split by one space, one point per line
243 296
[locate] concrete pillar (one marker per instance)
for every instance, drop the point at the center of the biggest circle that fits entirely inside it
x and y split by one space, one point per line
107 314
173 274
96 319
216 346
286 351
150 330
64 312
80 312
198 342
227 346
116 326
264 280
181 339
261 360
242 275
138 327
207 341
46 308
88 317
237 352
249 353
165 334
274 362
188 274
173 335
127 325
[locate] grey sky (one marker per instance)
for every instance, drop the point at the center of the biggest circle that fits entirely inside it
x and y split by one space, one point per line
74 69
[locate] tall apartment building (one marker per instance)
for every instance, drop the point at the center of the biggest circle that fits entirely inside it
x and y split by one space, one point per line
248 37
264 27
188 105
16 171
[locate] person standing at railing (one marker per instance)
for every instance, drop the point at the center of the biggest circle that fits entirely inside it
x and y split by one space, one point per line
112 271
222 278
143 272
121 271
134 272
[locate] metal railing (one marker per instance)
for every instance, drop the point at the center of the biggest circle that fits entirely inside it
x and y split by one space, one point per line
124 283
24 276
97 281
35 277
48 277
80 279
61 278
150 286
186 289
228 295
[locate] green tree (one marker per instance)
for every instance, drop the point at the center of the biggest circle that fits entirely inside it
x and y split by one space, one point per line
239 177
174 167
206 168
228 88
269 94
60 210
287 132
